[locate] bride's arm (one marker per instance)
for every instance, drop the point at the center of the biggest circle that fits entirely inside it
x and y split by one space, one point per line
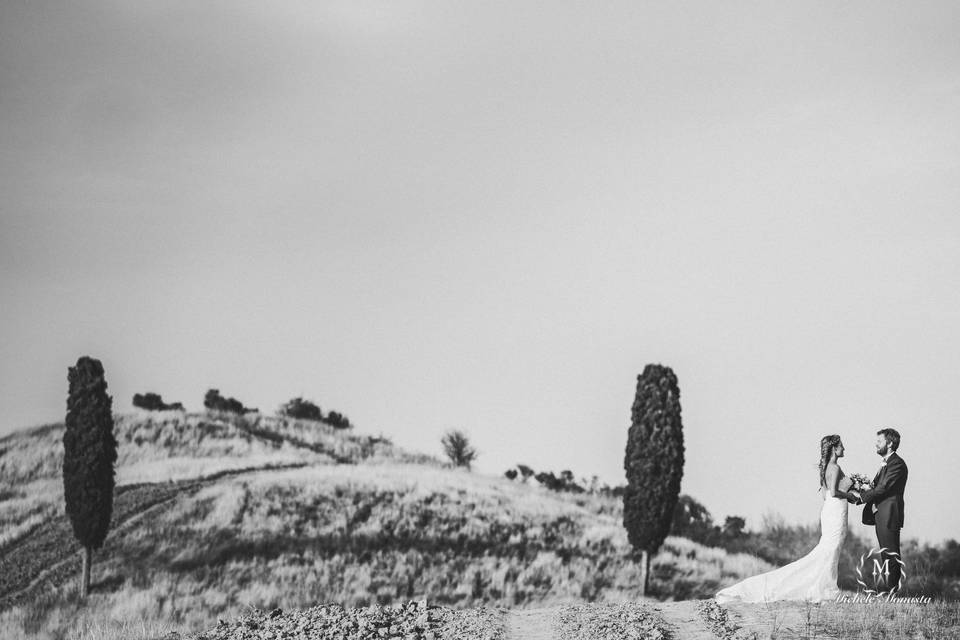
833 482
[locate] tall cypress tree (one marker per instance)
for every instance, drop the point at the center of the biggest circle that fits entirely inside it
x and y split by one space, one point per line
653 462
89 453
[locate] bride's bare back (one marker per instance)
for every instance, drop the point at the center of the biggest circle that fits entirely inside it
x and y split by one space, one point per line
843 484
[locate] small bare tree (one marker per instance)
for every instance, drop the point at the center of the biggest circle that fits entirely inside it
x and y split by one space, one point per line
456 445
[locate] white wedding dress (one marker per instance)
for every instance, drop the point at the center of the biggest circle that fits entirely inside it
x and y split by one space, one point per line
813 577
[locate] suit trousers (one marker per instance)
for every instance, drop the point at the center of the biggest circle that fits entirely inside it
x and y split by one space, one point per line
890 539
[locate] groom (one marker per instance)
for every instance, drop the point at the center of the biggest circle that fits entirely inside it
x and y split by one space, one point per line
883 504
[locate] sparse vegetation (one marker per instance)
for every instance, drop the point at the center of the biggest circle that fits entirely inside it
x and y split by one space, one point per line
563 483
693 520
718 619
215 402
367 534
409 620
154 402
457 448
382 527
301 409
626 621
338 420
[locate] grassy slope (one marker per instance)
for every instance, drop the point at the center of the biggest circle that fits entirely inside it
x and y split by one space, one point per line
170 446
382 525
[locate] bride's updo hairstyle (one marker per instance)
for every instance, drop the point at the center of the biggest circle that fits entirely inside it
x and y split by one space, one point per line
827 443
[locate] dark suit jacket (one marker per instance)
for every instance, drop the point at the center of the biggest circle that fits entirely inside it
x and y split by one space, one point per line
887 494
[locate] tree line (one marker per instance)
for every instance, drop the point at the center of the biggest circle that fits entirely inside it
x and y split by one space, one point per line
297 408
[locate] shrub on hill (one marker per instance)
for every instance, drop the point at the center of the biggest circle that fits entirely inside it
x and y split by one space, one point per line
301 409
564 482
692 520
337 420
153 402
214 401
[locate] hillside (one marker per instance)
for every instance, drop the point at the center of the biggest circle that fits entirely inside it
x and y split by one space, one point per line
172 446
217 514
266 521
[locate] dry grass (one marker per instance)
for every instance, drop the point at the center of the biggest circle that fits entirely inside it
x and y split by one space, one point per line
129 613
160 445
939 619
363 534
28 506
934 621
393 526
168 446
687 570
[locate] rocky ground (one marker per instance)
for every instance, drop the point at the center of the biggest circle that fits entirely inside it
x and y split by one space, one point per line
416 620
648 620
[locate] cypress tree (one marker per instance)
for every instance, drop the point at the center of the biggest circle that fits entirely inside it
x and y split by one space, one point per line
653 463
89 453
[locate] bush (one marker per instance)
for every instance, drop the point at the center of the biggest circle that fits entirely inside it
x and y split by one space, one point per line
215 402
733 526
693 521
563 483
338 420
456 445
301 409
153 402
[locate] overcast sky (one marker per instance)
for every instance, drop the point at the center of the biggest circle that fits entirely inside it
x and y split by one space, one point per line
491 215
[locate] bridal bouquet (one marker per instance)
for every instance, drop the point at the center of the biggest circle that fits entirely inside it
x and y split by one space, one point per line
861 482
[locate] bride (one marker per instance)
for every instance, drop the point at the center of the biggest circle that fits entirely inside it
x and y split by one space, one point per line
814 576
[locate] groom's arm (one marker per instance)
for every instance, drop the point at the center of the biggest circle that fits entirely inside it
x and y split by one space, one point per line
898 469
